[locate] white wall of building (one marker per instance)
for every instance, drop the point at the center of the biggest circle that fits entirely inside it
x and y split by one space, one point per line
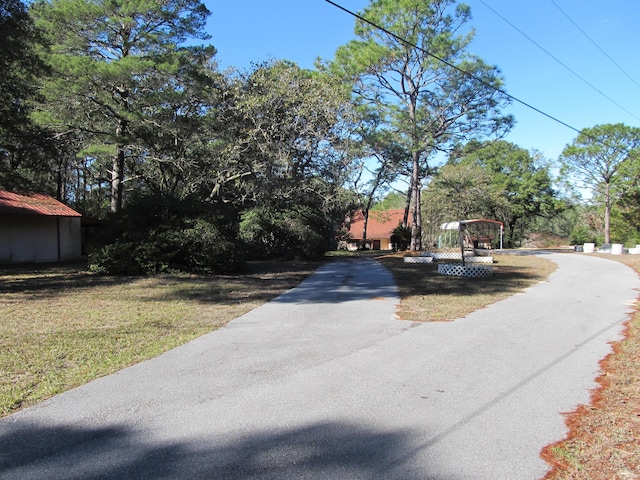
39 238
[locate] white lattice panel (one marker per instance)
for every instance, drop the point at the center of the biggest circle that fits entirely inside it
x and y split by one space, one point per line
446 255
479 259
458 256
418 259
458 270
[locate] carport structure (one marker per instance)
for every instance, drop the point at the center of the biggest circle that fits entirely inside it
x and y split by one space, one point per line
473 235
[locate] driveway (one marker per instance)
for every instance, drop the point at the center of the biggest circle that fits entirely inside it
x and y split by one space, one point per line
324 383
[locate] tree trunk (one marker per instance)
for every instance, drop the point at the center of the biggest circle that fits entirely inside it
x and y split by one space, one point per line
365 213
607 212
407 207
416 223
117 187
117 170
511 233
365 222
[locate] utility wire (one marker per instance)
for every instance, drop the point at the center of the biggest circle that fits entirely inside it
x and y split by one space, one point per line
594 43
470 75
557 60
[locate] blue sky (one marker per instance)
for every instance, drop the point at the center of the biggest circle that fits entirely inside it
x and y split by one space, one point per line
302 30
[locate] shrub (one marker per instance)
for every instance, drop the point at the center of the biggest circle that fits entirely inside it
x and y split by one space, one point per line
296 233
401 238
582 234
166 237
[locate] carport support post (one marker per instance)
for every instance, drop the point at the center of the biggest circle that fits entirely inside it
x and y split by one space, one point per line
461 230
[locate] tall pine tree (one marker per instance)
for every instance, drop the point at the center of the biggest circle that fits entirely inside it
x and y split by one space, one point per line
423 82
109 60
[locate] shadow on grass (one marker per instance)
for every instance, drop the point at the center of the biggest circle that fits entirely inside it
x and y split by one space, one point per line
331 450
424 279
53 279
260 281
264 281
358 277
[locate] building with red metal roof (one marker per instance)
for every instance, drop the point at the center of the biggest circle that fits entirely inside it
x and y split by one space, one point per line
37 228
33 204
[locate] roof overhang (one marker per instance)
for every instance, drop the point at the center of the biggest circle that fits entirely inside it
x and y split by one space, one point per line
33 204
480 222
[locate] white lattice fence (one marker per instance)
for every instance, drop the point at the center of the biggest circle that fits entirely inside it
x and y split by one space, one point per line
446 255
459 270
478 259
458 256
418 259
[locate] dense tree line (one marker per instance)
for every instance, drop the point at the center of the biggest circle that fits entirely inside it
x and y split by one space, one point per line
604 160
190 168
23 149
495 180
107 107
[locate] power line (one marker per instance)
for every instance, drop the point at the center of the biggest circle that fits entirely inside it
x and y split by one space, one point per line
470 75
558 61
594 43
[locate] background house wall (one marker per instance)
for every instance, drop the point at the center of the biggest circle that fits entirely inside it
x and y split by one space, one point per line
37 228
380 227
33 238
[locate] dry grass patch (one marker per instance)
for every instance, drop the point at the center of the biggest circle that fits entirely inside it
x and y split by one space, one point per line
428 296
604 437
61 327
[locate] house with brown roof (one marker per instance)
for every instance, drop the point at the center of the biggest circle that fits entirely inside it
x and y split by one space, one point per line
36 228
380 226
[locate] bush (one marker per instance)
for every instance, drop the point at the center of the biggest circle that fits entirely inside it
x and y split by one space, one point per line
288 234
582 234
199 249
401 238
167 237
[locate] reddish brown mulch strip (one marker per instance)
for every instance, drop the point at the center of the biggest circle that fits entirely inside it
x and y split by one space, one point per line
603 442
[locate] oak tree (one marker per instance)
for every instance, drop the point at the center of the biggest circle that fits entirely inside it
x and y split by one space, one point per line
283 156
517 183
594 160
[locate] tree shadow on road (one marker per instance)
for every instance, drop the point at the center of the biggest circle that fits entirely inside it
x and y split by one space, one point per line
342 282
332 450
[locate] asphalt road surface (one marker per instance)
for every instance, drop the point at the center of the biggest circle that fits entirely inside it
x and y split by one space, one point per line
324 383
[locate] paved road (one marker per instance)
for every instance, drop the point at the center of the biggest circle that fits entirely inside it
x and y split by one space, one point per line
324 383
